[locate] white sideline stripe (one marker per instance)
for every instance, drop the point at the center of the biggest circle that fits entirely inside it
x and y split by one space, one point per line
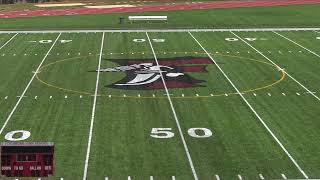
165 30
93 113
280 144
252 109
9 40
297 44
277 66
174 114
27 87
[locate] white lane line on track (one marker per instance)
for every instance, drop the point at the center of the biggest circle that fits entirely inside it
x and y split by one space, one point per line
27 87
174 113
86 164
8 41
297 44
252 109
280 144
282 69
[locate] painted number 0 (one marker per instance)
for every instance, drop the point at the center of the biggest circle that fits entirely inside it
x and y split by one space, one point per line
164 133
12 136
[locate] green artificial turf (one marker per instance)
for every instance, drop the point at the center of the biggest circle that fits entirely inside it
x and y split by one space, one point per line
122 145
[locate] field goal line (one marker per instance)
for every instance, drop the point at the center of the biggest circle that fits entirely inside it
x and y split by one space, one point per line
165 30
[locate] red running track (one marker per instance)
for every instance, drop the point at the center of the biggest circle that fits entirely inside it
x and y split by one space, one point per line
150 8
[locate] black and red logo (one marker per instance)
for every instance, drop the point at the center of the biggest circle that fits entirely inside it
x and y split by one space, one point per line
145 74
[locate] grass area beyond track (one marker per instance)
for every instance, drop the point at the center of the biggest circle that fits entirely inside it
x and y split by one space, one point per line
278 16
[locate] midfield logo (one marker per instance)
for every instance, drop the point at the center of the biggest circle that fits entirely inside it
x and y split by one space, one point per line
145 74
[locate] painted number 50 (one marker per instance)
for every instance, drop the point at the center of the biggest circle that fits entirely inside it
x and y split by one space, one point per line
164 133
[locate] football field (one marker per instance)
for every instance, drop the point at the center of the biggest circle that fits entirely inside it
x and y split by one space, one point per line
189 105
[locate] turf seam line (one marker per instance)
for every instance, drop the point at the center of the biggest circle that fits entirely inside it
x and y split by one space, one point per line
9 40
174 112
27 87
85 171
283 148
297 44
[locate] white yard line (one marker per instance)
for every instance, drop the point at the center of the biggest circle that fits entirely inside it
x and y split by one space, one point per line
253 110
174 114
9 40
297 44
27 87
281 69
165 30
85 171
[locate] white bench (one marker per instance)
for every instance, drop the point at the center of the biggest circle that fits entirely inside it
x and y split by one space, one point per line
147 18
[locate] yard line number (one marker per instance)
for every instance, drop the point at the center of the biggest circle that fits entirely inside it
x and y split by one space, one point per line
248 39
47 41
144 40
165 133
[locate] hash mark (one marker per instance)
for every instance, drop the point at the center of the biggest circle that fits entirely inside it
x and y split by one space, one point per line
217 177
261 176
284 176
